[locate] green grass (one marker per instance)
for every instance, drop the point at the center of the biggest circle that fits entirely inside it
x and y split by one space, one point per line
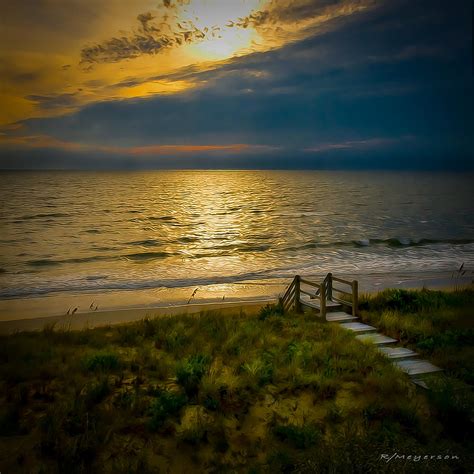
239 393
438 325
300 437
102 362
166 404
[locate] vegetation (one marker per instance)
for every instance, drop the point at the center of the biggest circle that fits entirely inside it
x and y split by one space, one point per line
436 324
212 393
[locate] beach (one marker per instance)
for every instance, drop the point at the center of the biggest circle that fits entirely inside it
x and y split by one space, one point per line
118 307
122 246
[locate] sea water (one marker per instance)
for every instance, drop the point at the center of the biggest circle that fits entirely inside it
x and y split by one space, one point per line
98 231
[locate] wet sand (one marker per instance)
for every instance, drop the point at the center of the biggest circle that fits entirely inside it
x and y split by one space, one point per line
118 307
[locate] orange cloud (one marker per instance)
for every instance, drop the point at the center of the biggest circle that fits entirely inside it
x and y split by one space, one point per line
167 149
45 141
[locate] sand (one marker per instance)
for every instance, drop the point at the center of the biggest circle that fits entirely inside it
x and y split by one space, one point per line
117 307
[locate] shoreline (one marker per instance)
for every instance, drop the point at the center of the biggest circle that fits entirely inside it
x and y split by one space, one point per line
122 306
96 319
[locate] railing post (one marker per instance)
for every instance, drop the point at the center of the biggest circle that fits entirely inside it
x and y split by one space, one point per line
355 297
322 296
329 292
297 294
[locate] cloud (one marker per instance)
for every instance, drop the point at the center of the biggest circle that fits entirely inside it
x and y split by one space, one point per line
160 31
295 11
149 39
54 101
177 149
367 144
359 92
52 143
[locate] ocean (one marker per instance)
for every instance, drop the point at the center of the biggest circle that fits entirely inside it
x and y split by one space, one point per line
97 231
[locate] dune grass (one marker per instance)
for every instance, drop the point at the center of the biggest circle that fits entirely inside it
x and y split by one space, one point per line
437 324
235 393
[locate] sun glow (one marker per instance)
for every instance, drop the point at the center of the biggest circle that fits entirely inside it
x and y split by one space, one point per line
217 19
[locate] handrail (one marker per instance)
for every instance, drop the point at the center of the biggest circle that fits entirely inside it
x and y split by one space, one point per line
310 283
288 290
287 297
346 293
324 292
340 280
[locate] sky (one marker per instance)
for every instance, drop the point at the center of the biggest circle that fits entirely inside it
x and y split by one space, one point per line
231 84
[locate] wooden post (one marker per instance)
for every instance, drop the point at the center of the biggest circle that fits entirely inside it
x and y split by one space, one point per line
329 293
298 308
355 297
322 296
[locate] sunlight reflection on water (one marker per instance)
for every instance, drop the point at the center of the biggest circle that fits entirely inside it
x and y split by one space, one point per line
81 231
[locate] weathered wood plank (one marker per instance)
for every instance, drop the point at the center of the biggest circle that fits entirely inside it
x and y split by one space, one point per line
397 352
420 383
340 280
310 283
309 303
358 327
329 303
375 338
417 366
339 317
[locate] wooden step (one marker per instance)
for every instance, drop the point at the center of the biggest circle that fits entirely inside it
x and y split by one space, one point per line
357 327
397 352
317 303
339 317
417 367
420 383
376 338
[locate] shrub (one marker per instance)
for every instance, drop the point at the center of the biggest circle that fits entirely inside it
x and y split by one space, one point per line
405 301
148 328
128 335
97 391
454 403
270 310
300 437
190 371
165 405
259 370
102 362
172 341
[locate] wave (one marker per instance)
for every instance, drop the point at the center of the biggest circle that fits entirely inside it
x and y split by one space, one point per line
41 216
231 249
101 283
97 258
48 262
148 255
390 242
104 282
407 242
145 243
162 218
43 263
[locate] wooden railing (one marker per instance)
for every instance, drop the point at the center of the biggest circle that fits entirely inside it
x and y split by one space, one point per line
288 299
348 296
325 291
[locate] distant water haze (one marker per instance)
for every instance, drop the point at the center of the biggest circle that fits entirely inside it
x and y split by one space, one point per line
81 232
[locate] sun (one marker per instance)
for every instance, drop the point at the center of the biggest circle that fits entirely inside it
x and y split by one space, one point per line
218 18
228 44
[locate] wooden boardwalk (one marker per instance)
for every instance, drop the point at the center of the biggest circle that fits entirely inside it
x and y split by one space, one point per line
339 304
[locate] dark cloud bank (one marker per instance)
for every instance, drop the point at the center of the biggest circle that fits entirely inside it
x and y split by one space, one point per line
386 89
